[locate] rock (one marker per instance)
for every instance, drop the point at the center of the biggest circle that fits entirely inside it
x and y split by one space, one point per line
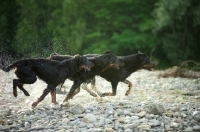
4 112
29 117
188 129
27 125
183 109
196 115
109 130
188 93
154 123
37 128
5 129
144 126
2 122
156 109
141 114
174 125
89 118
121 120
196 128
128 130
77 109
130 126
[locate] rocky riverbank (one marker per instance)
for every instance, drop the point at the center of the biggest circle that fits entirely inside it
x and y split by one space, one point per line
154 105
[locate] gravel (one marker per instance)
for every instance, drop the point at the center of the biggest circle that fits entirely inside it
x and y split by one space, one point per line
155 104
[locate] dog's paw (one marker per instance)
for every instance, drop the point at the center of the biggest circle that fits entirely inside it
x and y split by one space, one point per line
127 92
65 104
26 93
15 94
34 104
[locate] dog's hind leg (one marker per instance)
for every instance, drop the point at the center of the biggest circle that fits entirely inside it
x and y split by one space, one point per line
76 92
19 84
21 81
114 90
84 86
45 92
15 82
129 87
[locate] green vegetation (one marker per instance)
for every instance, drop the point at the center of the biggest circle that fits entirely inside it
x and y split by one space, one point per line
168 30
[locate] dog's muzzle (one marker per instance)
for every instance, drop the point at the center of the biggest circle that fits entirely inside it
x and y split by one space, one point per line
149 66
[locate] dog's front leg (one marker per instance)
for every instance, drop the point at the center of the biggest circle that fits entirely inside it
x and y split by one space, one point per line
72 93
129 86
45 92
53 96
114 90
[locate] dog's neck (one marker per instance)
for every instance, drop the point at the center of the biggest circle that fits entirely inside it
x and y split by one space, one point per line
132 62
73 66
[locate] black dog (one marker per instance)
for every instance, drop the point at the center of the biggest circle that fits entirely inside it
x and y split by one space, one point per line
132 63
101 64
51 72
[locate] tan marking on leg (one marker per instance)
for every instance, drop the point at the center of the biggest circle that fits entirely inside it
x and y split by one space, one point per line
130 87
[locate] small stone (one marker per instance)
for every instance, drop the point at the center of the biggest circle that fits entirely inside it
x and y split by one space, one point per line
130 126
9 122
27 125
144 126
156 109
128 130
188 129
183 109
4 112
89 118
174 125
141 114
196 128
154 123
2 122
196 115
77 109
109 130
5 129
188 93
169 114
121 120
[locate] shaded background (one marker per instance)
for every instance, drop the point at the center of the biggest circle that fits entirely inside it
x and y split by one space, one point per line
166 30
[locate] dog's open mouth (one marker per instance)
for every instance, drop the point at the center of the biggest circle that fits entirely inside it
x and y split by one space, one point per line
149 67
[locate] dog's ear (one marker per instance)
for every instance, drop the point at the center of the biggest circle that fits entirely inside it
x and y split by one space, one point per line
77 56
139 52
107 52
140 55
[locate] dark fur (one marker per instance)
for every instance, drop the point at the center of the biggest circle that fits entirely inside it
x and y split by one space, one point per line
101 63
132 63
51 72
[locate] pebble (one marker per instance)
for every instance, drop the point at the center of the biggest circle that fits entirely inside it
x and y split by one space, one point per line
89 118
154 105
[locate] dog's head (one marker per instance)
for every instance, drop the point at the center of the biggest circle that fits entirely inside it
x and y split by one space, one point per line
109 60
84 63
145 62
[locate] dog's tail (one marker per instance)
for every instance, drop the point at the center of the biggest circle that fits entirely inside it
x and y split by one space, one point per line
9 67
